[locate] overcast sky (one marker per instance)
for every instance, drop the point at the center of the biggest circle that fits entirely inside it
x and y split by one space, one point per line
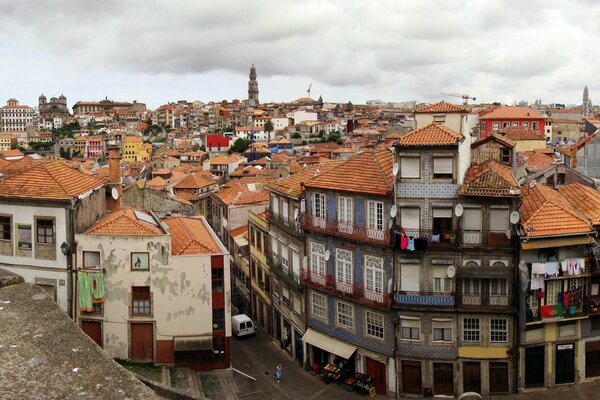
161 51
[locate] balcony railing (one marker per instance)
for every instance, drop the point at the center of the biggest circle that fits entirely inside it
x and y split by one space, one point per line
351 231
424 239
485 300
289 224
284 272
438 299
538 314
345 289
487 238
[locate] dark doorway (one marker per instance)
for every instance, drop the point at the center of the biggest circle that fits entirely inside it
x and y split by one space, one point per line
534 366
443 379
411 377
377 372
94 330
565 363
498 377
471 377
142 342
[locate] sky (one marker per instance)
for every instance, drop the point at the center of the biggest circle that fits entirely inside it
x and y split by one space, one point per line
162 51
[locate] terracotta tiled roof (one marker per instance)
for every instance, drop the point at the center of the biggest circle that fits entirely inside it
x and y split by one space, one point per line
125 221
132 139
191 236
368 172
522 133
584 198
494 136
54 181
490 179
292 185
16 167
225 159
441 107
430 135
238 231
512 112
243 192
546 212
537 161
572 149
12 153
193 181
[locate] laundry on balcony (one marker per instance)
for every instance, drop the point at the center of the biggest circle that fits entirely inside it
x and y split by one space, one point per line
572 266
90 289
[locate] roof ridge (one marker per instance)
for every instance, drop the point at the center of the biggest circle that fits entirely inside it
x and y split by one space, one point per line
52 176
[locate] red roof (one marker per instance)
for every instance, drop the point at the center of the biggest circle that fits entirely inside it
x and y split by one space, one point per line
512 113
216 140
431 135
441 107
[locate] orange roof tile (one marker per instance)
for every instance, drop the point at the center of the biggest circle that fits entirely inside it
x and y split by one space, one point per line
12 153
538 161
126 221
16 167
512 113
238 231
292 185
584 198
522 133
225 159
191 236
494 136
431 135
546 212
441 107
490 179
193 181
238 192
53 181
367 172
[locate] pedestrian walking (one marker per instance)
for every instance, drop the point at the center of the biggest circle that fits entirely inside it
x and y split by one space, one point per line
278 373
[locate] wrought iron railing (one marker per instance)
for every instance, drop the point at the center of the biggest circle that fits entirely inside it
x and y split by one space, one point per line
347 230
414 298
284 272
291 225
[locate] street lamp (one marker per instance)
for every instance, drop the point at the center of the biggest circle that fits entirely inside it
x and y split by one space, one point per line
65 248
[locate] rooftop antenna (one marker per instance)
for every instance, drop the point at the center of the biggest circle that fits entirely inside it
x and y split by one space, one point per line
465 97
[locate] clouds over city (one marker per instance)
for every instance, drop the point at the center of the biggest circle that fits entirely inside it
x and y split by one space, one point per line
159 51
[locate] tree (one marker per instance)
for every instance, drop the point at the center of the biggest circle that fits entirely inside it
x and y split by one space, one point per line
296 135
269 128
239 146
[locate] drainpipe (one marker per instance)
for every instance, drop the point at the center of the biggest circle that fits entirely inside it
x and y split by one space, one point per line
69 255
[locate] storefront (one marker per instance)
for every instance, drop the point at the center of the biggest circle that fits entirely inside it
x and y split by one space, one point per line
323 349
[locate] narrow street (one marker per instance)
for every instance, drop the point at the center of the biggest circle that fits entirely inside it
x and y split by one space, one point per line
258 357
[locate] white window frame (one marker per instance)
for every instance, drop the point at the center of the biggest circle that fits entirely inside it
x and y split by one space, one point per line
374 325
345 214
407 284
374 273
318 305
498 330
413 325
441 282
275 204
319 210
375 215
471 332
344 318
343 270
495 126
436 170
318 264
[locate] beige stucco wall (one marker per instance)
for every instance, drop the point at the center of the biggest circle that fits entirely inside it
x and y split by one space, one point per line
530 145
452 120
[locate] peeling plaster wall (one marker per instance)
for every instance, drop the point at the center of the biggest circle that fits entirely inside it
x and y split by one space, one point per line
180 286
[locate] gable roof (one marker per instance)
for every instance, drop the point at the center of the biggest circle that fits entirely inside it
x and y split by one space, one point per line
546 212
193 181
504 140
243 192
430 135
522 133
16 167
537 161
490 179
53 181
368 172
441 107
512 112
292 185
584 198
191 236
126 221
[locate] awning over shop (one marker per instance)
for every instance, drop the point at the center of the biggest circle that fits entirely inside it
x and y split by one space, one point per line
556 242
329 344
193 343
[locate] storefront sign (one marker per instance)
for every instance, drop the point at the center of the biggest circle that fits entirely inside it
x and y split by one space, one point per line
564 347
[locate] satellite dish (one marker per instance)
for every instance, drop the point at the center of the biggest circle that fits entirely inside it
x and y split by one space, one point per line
458 210
327 255
396 169
114 193
451 271
393 211
514 217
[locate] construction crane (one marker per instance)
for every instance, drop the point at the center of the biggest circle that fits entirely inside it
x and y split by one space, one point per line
308 91
465 97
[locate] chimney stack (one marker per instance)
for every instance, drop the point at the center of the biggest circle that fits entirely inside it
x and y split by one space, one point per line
113 200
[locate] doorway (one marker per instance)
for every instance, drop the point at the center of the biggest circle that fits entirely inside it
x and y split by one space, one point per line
534 366
377 372
142 342
565 363
94 330
411 377
472 376
498 377
443 379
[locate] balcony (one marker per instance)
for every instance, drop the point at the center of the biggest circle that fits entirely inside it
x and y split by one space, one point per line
426 239
350 231
484 300
435 299
284 273
288 224
557 313
347 290
486 238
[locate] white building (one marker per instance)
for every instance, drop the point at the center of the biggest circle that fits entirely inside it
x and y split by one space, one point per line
301 115
17 118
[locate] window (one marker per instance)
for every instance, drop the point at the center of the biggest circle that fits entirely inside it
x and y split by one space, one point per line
525 123
91 259
410 220
471 330
140 261
285 263
442 330
439 118
471 286
499 219
218 317
275 204
441 281
345 315
560 178
274 248
552 290
498 330
442 220
534 126
141 300
409 277
343 266
505 156
410 329
319 206
515 123
5 227
317 258
482 126
442 167
375 324
496 126
375 217
505 124
319 305
345 214
374 274
45 231
217 279
498 287
96 309
410 167
472 225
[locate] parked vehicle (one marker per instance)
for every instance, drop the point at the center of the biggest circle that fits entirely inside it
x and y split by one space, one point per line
242 325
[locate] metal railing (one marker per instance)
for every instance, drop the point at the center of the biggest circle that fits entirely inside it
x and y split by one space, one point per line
289 224
425 239
440 299
284 272
351 231
485 300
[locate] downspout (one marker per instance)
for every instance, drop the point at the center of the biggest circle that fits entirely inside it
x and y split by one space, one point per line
69 255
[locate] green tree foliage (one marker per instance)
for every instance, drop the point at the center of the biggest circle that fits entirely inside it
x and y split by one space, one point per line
239 146
269 128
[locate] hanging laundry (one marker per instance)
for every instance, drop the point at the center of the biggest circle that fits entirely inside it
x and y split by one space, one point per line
538 268
84 290
98 287
411 243
403 241
564 266
537 281
552 268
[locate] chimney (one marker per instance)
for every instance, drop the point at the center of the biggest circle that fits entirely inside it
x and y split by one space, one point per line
115 192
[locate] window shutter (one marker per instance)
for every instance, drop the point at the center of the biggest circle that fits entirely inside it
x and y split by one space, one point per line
409 277
442 165
499 219
442 213
472 219
409 218
410 167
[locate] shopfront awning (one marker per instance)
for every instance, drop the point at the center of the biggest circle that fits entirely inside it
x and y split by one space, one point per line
328 343
556 242
193 343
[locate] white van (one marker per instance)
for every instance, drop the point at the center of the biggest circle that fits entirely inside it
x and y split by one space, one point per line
242 325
